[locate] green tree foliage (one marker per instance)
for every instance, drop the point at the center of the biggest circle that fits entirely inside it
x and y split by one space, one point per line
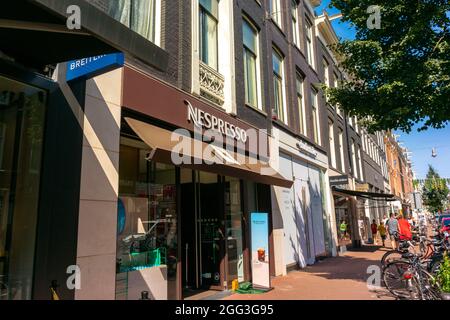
399 74
435 191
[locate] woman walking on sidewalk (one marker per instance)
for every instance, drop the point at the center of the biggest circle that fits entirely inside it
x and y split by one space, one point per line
382 231
374 229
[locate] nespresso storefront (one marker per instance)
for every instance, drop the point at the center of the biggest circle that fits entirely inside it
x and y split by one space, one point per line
182 227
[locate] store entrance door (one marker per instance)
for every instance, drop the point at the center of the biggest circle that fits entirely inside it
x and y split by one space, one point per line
203 231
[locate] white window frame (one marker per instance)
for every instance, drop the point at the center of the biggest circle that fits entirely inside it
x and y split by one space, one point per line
295 23
341 150
314 96
361 172
354 164
332 143
276 16
309 38
283 83
259 105
302 108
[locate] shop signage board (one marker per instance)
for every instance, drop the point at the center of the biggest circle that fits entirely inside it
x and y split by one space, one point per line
87 68
260 250
339 181
362 187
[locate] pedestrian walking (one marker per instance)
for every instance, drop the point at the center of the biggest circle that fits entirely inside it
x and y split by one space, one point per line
392 228
404 228
374 229
382 232
343 229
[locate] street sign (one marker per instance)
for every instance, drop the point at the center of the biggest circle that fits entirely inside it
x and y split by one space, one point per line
87 68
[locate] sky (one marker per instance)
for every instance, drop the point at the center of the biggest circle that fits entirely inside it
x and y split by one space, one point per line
419 143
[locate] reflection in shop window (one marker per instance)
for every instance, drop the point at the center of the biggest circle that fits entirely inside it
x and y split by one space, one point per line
22 115
147 227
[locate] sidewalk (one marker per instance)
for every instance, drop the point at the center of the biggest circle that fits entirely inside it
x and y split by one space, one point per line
340 278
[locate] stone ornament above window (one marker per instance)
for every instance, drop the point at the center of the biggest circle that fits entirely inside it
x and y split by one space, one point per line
211 84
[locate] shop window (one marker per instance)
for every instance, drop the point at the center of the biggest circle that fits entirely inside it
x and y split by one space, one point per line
234 236
22 115
147 243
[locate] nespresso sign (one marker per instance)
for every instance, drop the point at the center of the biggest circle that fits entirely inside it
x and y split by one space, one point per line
205 120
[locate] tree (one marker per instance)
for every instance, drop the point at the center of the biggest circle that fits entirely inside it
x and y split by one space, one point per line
435 191
399 74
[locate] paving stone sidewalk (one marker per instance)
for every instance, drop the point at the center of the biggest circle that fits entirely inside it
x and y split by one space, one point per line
340 278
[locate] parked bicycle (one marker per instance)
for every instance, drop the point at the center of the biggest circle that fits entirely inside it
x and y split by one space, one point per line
407 278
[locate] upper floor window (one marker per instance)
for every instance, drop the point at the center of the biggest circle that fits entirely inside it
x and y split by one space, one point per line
332 144
295 24
208 22
341 149
301 104
309 43
315 116
336 85
140 16
361 172
326 78
251 65
275 11
278 85
354 164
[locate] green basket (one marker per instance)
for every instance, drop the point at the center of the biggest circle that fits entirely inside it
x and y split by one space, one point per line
143 260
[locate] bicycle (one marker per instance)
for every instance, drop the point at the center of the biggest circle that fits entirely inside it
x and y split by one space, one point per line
408 279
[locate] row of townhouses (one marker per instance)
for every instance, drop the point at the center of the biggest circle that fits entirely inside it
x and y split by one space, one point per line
90 184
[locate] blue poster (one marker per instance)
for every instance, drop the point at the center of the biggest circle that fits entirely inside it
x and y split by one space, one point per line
93 66
260 250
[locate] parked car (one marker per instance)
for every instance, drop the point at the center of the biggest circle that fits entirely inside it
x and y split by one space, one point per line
445 224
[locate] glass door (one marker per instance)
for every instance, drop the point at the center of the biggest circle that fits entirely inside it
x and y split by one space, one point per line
234 230
212 231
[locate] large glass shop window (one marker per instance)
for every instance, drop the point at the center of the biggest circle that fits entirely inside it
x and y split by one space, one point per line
22 113
146 226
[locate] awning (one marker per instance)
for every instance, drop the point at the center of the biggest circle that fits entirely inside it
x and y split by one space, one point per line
165 146
366 195
35 34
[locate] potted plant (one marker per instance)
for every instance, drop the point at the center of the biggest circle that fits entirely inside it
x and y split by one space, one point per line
443 278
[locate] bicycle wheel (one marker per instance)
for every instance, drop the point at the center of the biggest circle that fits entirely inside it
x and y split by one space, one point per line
390 256
395 281
429 288
435 264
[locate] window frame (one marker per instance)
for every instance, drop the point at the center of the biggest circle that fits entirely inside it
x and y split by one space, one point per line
332 143
246 50
204 12
314 97
276 16
295 23
309 38
300 92
281 79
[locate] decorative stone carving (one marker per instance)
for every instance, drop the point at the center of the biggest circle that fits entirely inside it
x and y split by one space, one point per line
211 84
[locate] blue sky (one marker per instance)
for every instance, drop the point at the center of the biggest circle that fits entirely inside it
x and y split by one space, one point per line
419 143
